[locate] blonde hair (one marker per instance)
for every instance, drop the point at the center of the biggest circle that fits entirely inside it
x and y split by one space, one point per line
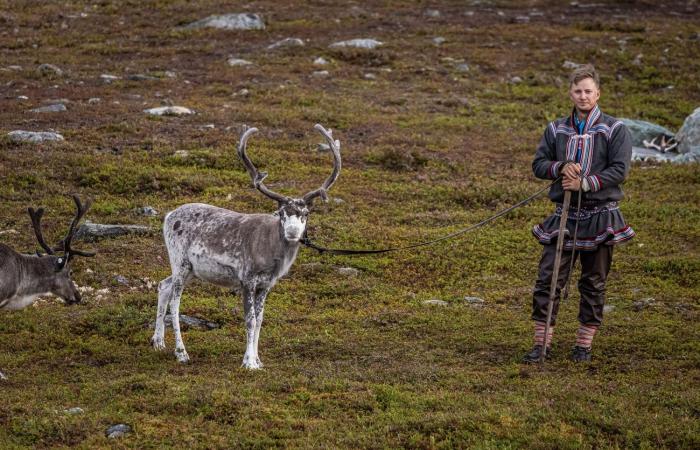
582 72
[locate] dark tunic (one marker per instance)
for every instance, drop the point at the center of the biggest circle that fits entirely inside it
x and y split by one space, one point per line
604 151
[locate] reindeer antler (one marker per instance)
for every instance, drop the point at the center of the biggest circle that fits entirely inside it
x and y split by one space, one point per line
335 148
35 215
256 175
65 244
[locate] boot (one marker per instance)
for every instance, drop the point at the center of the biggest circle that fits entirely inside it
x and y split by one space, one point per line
581 354
534 355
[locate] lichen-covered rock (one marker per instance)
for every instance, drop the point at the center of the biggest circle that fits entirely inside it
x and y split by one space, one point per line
169 111
245 21
286 43
34 136
645 131
358 43
688 136
239 62
116 431
91 232
189 322
58 107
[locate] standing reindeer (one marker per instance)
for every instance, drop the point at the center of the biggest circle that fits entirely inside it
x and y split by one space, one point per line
23 278
246 252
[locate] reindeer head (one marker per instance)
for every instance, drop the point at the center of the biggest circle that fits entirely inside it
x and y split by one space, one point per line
293 212
58 265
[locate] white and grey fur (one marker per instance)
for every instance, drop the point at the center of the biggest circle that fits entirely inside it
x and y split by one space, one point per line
23 278
243 252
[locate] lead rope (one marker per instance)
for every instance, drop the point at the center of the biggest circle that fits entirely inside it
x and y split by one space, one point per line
307 241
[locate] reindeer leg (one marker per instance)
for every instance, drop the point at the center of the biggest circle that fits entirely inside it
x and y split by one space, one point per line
164 292
178 284
260 297
249 359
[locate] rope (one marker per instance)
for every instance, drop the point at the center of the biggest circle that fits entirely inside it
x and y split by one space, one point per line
307 241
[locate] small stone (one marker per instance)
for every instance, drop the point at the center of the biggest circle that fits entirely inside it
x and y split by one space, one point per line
169 111
348 271
608 308
462 67
516 80
147 211
320 73
432 13
120 279
435 301
323 148
237 62
209 126
243 93
22 97
338 201
14 67
439 40
49 69
245 21
521 19
74 410
474 300
182 154
358 43
94 101
117 431
58 107
369 76
570 65
141 77
107 78
189 322
34 136
90 232
2 376
320 61
286 43
643 303
170 74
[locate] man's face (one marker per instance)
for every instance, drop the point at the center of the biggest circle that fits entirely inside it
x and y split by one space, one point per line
584 94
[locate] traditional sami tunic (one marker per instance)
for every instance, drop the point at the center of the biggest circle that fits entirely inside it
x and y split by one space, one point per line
603 147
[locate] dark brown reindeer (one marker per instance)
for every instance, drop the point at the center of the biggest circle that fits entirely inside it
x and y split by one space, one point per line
23 278
246 252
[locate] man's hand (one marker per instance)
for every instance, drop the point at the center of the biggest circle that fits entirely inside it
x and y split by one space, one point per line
571 173
571 170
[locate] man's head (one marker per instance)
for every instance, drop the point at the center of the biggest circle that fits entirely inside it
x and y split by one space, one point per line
584 87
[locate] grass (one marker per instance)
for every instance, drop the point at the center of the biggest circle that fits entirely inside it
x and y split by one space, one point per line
351 361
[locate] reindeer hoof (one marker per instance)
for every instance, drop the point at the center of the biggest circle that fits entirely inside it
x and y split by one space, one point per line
158 343
251 364
182 356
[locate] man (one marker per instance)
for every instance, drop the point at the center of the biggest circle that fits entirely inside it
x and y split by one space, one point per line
591 151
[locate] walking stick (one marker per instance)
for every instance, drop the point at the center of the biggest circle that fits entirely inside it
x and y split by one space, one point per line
555 270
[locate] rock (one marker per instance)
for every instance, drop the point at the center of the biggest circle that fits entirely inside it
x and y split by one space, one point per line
432 13
436 302
237 62
2 376
649 154
369 76
10 231
516 80
243 93
607 309
520 19
286 43
338 201
688 136
58 107
14 67
189 322
74 410
320 61
121 279
22 97
117 431
49 70
348 271
439 40
323 148
643 303
181 154
170 74
320 73
369 44
245 21
474 300
140 77
94 101
209 126
462 67
645 131
107 78
91 232
34 136
169 111
570 65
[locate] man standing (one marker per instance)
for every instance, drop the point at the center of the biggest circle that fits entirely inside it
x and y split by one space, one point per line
591 151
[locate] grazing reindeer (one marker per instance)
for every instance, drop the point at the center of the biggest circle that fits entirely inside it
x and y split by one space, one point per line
246 252
23 278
